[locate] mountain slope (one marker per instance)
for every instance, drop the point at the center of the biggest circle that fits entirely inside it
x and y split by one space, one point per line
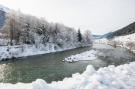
3 11
124 31
2 18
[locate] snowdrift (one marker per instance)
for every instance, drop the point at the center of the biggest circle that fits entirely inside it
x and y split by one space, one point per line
11 52
111 77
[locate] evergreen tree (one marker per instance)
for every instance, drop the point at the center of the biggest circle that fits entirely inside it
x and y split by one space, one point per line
79 36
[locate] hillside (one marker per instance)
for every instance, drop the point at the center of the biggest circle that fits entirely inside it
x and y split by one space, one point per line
2 18
121 32
96 36
3 11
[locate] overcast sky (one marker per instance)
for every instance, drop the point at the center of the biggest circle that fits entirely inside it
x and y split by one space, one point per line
99 16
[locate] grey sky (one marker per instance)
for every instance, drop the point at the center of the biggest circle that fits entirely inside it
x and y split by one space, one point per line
99 16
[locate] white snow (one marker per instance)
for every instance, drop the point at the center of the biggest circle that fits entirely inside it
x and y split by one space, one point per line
85 56
111 77
3 8
39 35
127 41
7 52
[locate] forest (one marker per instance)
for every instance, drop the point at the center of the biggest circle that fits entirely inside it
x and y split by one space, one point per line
26 29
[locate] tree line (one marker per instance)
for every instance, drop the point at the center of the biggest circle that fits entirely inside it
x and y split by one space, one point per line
26 29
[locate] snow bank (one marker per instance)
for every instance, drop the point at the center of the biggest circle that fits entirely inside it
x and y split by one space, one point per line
8 52
111 77
127 41
88 55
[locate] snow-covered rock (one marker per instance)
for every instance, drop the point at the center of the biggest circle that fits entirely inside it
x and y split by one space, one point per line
85 56
111 77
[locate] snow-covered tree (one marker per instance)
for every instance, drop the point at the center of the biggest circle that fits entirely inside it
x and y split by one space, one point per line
88 36
26 29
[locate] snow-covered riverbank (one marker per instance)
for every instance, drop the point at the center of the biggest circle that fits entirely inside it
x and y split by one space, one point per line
127 42
111 77
88 55
8 52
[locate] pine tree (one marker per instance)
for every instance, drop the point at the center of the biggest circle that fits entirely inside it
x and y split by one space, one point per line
79 36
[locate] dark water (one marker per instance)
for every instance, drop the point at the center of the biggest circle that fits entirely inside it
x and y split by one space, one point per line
51 68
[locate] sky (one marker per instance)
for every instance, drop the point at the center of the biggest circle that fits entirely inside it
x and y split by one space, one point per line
99 16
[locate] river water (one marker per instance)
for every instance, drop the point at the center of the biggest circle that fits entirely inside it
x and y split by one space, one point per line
50 67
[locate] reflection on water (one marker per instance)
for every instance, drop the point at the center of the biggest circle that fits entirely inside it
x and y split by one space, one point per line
51 68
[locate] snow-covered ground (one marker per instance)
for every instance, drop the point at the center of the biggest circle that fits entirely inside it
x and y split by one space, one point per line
127 41
111 77
88 55
7 52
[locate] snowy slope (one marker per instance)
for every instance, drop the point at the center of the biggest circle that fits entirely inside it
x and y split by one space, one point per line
8 52
3 8
111 77
2 18
127 41
3 11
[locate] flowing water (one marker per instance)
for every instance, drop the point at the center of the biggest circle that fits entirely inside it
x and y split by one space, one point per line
50 67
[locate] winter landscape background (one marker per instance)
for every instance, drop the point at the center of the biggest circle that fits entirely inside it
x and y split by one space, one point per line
87 49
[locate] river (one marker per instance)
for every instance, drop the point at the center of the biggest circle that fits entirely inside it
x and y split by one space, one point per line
50 67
